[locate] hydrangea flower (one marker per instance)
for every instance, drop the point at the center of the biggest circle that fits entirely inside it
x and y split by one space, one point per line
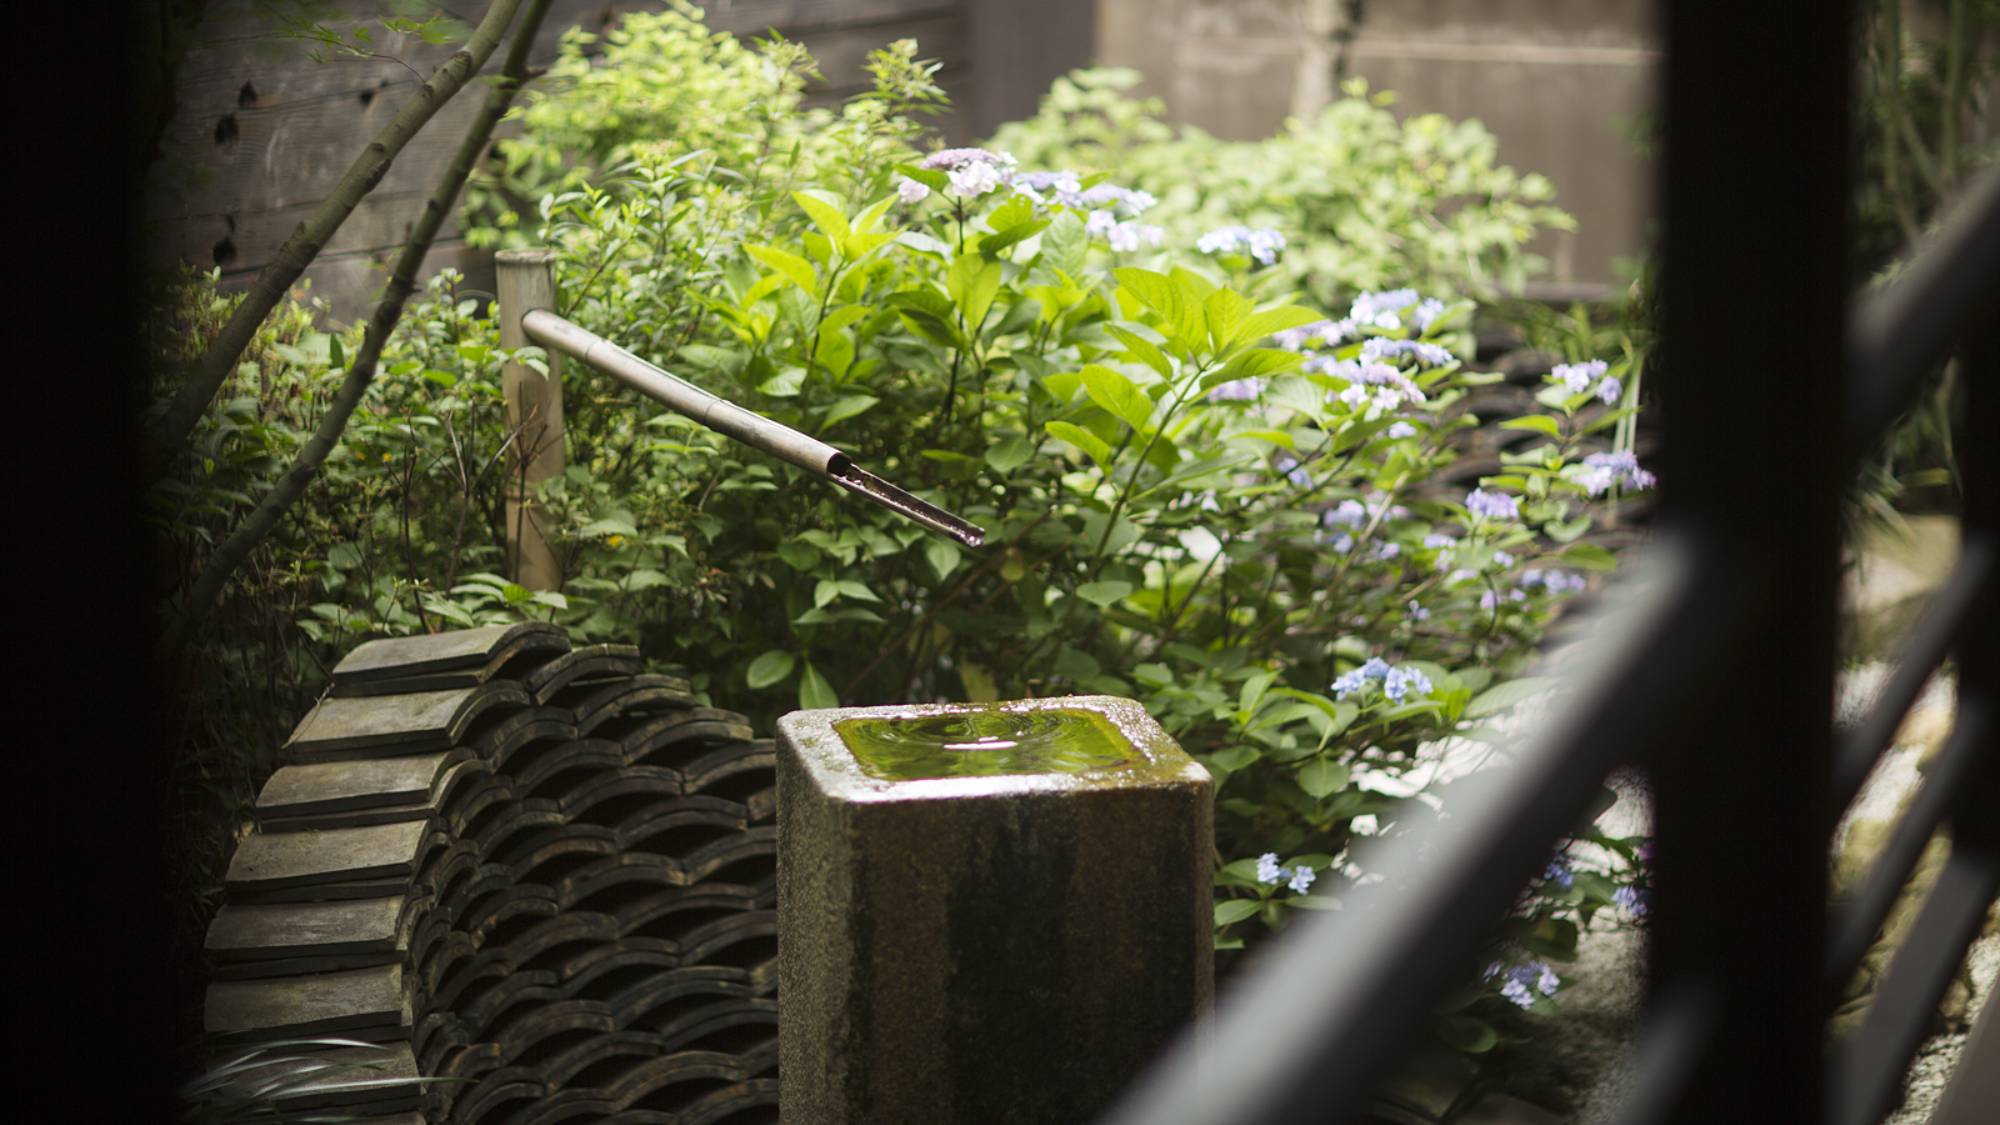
1418 612
1127 237
1105 196
1490 601
1326 333
1302 878
1556 582
1558 872
1342 543
1268 870
1399 388
1577 377
969 181
1401 682
1401 430
1237 390
1502 559
1382 310
1260 243
1521 983
950 159
1631 900
1600 471
1610 390
910 191
1386 551
1379 348
1348 513
1397 683
1294 472
1068 190
1491 505
1437 541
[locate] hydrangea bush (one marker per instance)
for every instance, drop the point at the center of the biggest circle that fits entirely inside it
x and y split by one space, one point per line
1203 487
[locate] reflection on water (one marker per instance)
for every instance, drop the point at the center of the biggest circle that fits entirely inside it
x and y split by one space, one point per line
985 742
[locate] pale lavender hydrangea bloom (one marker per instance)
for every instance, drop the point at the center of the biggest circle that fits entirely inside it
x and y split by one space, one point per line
1260 243
1100 223
1326 333
1577 377
910 191
1631 900
1302 878
1342 543
1502 558
953 158
1067 189
1401 430
1554 581
1558 872
1382 310
1386 551
1379 348
1127 237
1397 683
1426 312
1491 505
1436 540
1610 390
1489 600
1348 513
1522 982
1602 470
1418 612
1400 388
1294 472
969 181
1402 682
1111 195
1268 870
1237 390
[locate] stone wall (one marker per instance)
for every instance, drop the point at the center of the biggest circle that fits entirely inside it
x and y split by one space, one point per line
1560 82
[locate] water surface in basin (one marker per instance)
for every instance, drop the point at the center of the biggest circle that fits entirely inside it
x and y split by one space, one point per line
985 743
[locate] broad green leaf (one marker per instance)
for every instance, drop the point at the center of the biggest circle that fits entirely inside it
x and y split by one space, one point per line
799 556
943 556
1065 245
859 591
993 243
1502 696
1225 312
1540 423
972 282
1464 1033
824 592
1083 439
826 216
924 243
1103 594
815 694
597 529
1009 454
1143 350
1252 361
1589 556
847 406
769 668
980 686
1116 394
1321 777
1157 292
1272 321
794 268
1233 910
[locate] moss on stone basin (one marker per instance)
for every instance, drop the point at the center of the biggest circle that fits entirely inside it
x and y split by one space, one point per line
985 742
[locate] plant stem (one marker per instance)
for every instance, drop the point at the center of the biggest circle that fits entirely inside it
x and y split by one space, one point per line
305 243
231 553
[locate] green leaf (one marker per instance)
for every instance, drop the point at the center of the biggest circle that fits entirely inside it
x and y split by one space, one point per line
859 591
1226 312
769 668
1230 911
993 243
1143 350
1010 454
943 556
847 406
1103 594
1590 556
1321 777
972 282
1116 394
1464 1033
1157 292
598 529
1092 445
824 592
799 556
826 216
1502 696
1252 361
1065 245
1540 423
815 694
1272 321
792 267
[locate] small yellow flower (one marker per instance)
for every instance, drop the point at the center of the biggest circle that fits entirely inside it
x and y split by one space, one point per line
385 458
614 541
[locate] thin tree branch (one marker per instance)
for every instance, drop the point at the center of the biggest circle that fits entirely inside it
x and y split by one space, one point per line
291 260
402 284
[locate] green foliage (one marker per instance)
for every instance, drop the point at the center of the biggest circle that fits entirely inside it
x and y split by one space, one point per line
1199 492
1367 202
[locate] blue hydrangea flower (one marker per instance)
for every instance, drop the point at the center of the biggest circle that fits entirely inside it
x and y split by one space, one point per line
1268 870
1237 390
1397 683
1610 390
1558 872
1600 471
1426 313
1556 582
953 158
1378 348
1302 878
1418 612
1394 387
1326 333
1382 310
1490 600
1342 543
1631 900
1491 505
1111 195
1068 191
1437 540
1402 682
1523 982
1502 559
1577 377
1348 513
1294 472
1386 551
1260 243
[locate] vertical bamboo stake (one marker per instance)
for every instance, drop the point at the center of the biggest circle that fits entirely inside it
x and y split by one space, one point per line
527 281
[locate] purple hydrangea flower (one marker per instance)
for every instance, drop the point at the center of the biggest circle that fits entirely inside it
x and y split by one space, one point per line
1418 612
1401 430
1386 551
1378 348
1348 513
1631 900
1237 390
1396 388
1436 541
1382 310
1602 470
969 181
1556 582
1068 190
1260 243
1522 982
1104 196
1577 377
1302 878
1558 872
1401 682
952 158
910 191
1610 390
1268 870
1294 472
1326 333
1502 559
1127 237
1492 505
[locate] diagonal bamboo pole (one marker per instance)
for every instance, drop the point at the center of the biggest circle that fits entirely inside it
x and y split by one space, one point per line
402 283
367 170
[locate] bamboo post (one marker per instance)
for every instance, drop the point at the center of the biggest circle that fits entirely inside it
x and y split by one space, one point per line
527 281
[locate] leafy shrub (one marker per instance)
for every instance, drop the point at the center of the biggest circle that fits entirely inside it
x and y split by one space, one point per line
1198 493
1366 202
